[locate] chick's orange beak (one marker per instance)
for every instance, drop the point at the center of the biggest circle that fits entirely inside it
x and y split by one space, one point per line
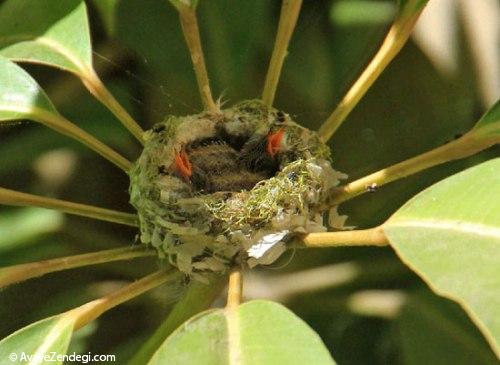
274 142
183 165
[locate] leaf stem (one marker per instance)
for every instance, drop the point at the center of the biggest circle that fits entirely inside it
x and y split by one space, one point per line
17 273
365 237
189 23
394 41
11 197
97 88
62 125
197 298
290 10
465 146
92 310
235 289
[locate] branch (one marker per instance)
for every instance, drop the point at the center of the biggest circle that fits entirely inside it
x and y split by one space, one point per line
235 289
17 273
394 41
92 310
11 197
96 87
290 10
65 127
366 237
189 23
465 146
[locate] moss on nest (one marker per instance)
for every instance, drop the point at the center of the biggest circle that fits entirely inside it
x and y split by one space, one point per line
205 216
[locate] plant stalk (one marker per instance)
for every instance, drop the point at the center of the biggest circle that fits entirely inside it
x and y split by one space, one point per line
235 289
17 273
290 10
465 146
92 310
97 88
234 295
394 41
366 237
12 197
191 31
62 125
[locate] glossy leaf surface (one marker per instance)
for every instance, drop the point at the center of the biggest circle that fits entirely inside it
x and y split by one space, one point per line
55 33
38 342
450 235
20 95
259 332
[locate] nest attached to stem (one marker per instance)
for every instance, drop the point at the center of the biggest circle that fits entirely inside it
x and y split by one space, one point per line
213 219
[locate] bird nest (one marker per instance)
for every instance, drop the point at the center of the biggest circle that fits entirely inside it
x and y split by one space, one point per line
217 189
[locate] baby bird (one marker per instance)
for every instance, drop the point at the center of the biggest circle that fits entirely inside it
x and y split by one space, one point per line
214 165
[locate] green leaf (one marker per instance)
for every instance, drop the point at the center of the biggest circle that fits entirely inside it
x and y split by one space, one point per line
27 143
258 332
184 3
22 98
450 235
20 95
434 330
197 298
489 124
55 33
44 338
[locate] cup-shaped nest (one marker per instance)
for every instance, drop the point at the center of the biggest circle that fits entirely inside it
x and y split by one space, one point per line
217 189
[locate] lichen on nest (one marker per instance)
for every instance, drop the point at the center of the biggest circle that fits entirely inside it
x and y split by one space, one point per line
217 189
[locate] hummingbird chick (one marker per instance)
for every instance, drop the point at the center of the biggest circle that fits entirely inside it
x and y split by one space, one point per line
214 165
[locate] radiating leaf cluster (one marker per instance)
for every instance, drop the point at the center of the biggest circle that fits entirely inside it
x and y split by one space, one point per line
396 120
